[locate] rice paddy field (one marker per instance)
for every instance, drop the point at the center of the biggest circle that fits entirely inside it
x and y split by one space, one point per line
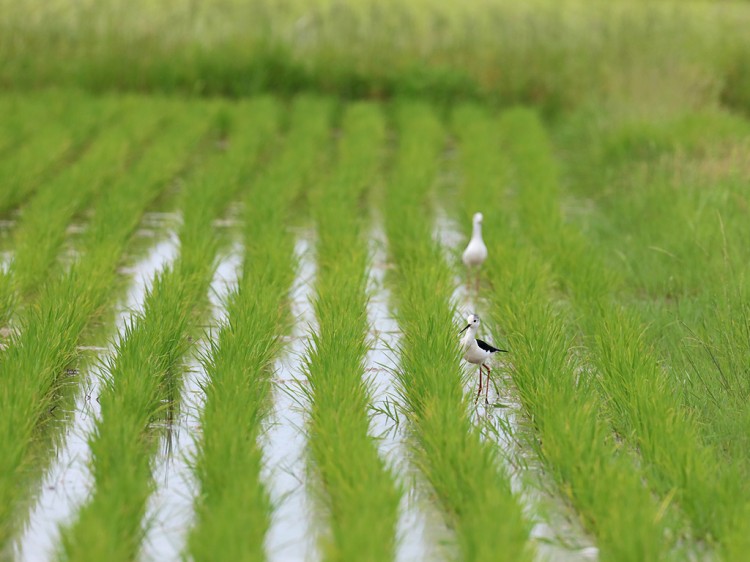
231 285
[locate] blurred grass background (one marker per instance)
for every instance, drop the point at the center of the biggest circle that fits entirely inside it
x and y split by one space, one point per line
648 56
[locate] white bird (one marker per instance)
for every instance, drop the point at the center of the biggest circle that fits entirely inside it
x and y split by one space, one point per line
477 351
475 252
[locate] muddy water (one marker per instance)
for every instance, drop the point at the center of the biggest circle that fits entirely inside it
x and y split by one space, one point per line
419 526
69 481
556 533
293 531
170 508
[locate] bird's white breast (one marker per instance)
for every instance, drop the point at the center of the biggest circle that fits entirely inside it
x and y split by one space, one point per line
475 253
473 353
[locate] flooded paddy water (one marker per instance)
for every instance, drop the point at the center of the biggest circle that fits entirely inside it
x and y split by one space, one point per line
292 535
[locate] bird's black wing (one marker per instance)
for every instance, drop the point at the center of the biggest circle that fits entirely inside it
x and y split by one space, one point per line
487 347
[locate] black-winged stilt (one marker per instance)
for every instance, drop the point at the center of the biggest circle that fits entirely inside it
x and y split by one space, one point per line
477 352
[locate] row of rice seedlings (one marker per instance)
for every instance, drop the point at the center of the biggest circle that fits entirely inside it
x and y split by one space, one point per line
233 508
56 140
65 125
463 470
50 148
145 374
358 491
32 366
41 228
575 444
23 115
643 402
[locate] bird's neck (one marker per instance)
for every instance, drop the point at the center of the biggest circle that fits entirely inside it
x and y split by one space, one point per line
471 334
477 230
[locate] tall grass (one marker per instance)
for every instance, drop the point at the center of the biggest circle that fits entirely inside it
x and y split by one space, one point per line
553 54
641 396
358 491
45 344
683 271
462 469
233 510
143 378
601 481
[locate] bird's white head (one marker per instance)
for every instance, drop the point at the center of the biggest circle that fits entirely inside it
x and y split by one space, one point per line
473 323
478 218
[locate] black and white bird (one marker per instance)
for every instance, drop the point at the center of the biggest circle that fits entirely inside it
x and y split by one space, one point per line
475 252
477 352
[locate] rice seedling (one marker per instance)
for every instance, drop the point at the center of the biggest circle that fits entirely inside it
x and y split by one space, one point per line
153 344
462 469
51 148
233 510
602 482
358 491
641 398
46 341
42 226
24 115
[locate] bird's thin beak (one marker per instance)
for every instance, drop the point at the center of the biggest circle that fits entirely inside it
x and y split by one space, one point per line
467 327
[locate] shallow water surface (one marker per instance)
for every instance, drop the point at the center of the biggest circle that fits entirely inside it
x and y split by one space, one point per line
292 536
170 508
419 527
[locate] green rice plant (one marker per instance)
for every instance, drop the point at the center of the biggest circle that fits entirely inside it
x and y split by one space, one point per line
51 148
575 444
711 350
24 115
46 341
41 229
464 470
641 397
232 512
40 158
144 376
683 271
357 489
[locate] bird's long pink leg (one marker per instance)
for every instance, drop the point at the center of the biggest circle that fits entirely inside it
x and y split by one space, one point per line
479 393
487 393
